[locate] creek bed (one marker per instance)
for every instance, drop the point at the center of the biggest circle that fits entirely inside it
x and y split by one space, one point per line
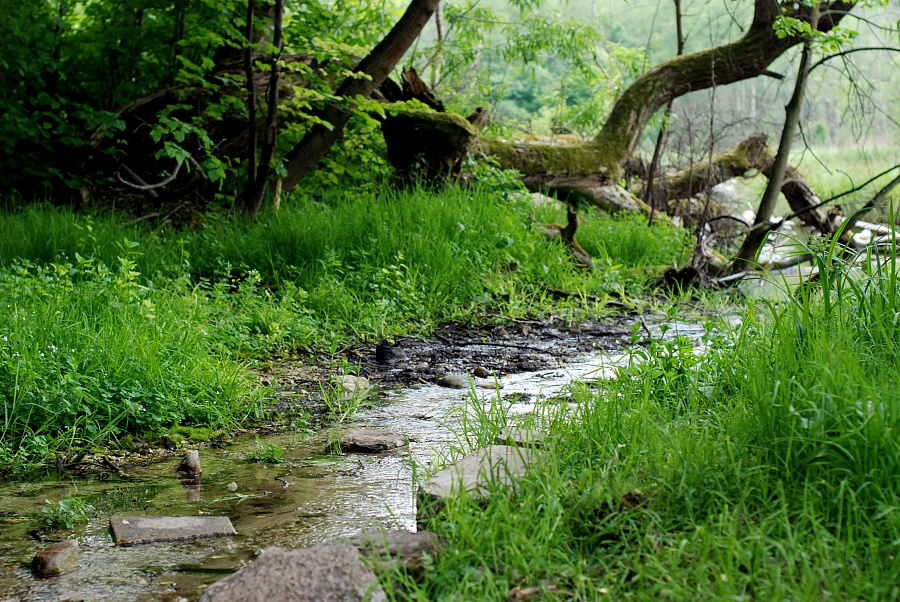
311 497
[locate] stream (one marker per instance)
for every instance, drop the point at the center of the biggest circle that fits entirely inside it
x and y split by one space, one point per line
311 497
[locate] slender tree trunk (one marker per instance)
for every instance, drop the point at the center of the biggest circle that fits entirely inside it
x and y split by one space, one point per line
375 68
747 254
267 154
650 199
251 99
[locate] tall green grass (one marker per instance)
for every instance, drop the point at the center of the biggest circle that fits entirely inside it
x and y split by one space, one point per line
113 327
764 466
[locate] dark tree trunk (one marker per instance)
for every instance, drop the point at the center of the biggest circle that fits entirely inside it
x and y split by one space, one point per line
270 133
251 97
377 66
746 256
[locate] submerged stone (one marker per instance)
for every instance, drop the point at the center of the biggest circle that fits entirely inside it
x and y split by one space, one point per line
57 559
461 381
477 473
453 381
134 530
325 573
370 441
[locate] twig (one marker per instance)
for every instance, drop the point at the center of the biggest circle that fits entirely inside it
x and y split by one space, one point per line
148 187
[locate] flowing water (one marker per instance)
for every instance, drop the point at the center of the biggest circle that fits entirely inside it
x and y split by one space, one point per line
311 497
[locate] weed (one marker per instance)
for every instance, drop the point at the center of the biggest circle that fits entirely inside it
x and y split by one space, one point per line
268 453
65 514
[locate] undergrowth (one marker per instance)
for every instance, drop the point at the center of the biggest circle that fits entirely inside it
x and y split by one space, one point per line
760 467
112 329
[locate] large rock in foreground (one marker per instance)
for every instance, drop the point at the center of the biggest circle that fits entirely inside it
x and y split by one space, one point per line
326 573
133 530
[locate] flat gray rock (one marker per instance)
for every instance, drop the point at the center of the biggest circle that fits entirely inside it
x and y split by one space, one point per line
325 573
133 530
370 441
387 548
59 558
519 437
478 471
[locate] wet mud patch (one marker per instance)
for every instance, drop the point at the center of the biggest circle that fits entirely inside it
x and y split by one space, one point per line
483 351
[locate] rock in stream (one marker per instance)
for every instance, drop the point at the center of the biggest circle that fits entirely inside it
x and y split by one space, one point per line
325 573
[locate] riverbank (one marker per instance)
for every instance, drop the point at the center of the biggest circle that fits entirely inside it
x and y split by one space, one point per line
117 330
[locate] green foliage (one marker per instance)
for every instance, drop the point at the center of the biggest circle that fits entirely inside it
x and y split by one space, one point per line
112 328
542 69
90 352
268 453
761 465
65 514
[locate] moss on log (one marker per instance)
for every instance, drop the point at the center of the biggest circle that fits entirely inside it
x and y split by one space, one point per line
553 160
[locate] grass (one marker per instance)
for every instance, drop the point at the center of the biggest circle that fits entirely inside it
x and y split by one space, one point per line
764 467
114 329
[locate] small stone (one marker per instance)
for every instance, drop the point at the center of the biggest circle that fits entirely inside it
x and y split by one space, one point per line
57 559
514 435
391 548
232 486
481 372
325 573
354 384
370 441
134 530
423 366
453 381
190 464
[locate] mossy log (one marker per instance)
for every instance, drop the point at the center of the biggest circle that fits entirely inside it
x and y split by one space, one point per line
750 155
428 144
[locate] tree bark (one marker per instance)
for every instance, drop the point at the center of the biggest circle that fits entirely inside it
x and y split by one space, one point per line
650 197
251 98
369 74
270 132
746 256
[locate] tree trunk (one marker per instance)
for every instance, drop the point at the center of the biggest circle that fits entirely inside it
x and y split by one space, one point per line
257 190
746 256
375 68
650 197
748 57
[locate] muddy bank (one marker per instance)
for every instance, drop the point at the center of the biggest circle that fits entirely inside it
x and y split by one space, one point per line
482 351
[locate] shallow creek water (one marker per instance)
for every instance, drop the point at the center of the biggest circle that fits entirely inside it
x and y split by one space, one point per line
313 496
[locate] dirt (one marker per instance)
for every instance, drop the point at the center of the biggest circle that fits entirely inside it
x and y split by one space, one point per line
301 382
